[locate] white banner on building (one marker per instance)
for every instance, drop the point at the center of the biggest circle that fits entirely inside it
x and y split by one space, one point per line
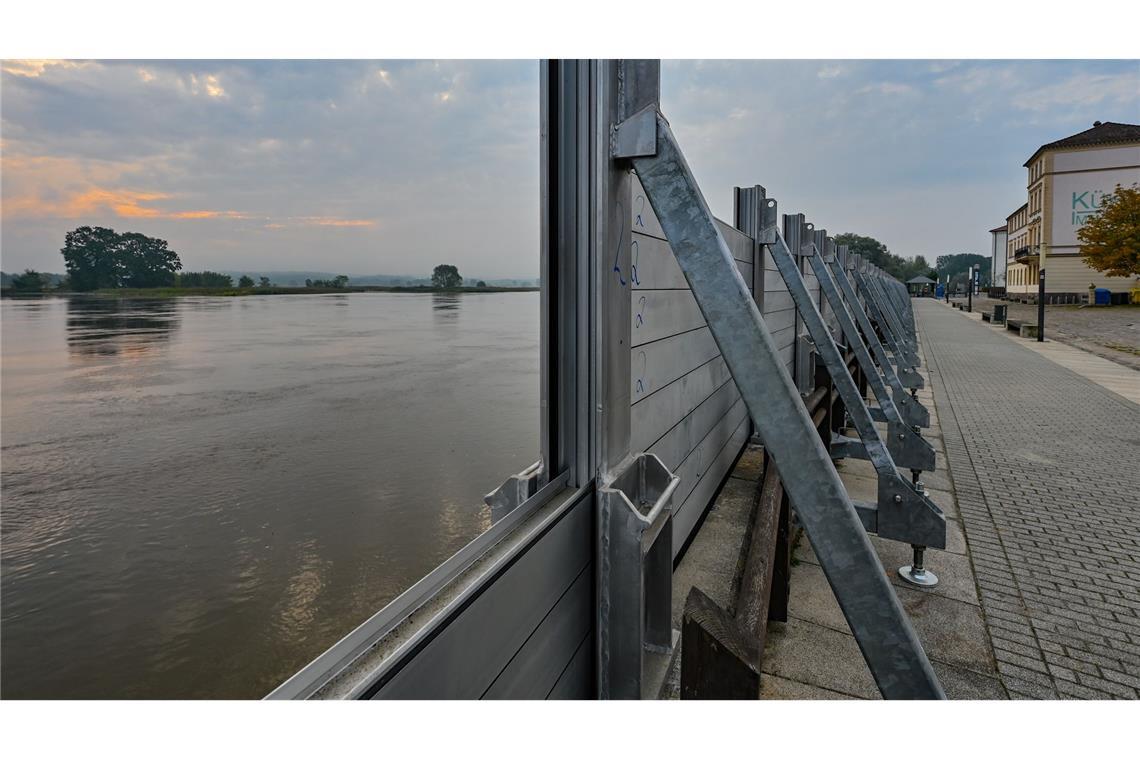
1076 197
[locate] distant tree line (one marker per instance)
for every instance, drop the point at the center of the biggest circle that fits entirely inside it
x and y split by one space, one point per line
204 279
99 258
339 281
956 266
30 281
879 255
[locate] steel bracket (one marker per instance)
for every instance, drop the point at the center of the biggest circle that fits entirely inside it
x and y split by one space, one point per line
908 448
514 491
844 447
636 574
637 135
909 516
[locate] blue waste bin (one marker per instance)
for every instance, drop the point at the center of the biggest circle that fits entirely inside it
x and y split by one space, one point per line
1103 297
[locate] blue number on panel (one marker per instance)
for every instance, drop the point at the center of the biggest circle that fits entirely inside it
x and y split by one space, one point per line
633 267
617 252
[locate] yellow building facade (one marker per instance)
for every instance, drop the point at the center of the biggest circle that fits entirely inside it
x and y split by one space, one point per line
1067 181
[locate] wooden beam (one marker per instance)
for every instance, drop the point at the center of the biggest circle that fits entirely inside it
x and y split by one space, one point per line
718 661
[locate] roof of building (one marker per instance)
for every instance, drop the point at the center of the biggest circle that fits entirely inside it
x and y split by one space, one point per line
920 280
1003 228
1101 133
1015 213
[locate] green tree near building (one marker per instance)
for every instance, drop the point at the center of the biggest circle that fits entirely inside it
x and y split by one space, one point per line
446 276
263 282
245 282
1110 239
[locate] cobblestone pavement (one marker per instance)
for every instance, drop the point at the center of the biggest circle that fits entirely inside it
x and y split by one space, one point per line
1113 332
1046 466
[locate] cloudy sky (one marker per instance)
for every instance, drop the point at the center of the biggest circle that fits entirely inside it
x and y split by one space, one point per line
367 167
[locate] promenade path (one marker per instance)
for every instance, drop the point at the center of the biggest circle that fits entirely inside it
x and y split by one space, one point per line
1045 465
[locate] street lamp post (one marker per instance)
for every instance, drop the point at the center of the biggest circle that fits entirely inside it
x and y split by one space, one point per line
1041 293
970 291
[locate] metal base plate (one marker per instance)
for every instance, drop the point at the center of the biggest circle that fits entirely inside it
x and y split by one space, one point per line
923 578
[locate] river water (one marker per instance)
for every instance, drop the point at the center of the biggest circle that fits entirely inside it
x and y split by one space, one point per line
200 495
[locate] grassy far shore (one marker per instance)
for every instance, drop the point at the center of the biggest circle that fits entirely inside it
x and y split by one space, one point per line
257 291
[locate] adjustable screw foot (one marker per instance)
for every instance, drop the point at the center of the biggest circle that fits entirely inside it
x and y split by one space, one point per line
915 573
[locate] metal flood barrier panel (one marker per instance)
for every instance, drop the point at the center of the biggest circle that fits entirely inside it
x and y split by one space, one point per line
685 409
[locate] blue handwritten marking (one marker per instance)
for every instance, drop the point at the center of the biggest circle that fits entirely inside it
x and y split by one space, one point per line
641 375
640 311
633 266
617 253
640 199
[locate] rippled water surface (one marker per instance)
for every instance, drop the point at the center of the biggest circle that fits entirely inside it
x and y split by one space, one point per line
200 495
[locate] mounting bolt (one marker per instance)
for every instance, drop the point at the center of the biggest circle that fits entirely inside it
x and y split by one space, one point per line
898 499
915 573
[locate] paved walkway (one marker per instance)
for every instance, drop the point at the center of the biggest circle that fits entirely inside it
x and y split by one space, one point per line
1119 377
1046 468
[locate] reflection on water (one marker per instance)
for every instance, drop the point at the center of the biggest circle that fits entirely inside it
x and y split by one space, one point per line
445 307
107 327
202 494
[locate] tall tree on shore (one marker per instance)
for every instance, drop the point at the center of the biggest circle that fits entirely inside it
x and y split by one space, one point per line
446 276
1110 239
90 256
99 257
147 262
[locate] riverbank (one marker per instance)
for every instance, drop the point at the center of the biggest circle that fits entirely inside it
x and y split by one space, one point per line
270 291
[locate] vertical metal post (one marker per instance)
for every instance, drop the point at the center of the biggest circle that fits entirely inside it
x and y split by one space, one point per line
1041 296
611 238
634 549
